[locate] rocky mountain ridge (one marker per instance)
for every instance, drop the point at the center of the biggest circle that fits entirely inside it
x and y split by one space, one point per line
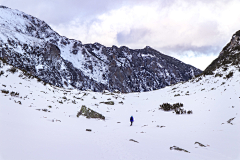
31 45
229 56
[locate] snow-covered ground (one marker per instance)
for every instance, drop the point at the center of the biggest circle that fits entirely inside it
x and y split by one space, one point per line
29 133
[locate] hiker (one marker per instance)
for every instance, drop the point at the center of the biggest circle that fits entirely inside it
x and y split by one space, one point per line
131 120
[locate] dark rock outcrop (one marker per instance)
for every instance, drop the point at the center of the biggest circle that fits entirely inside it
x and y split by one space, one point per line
230 55
89 113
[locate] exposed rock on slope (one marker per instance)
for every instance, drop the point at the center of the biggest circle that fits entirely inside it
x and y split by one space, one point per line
30 44
230 55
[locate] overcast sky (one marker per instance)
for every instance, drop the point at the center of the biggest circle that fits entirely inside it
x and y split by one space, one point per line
194 31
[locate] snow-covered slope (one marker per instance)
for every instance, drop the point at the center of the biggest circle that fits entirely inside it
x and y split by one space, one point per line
39 121
30 44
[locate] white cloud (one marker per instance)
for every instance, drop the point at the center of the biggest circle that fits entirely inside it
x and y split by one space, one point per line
175 27
200 61
182 24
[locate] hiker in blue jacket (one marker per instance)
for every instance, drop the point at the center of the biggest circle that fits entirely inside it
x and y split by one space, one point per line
131 120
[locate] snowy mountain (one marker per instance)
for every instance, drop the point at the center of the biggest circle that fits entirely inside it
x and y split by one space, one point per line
31 45
40 121
230 55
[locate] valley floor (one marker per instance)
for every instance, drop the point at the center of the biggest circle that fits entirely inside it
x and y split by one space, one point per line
41 122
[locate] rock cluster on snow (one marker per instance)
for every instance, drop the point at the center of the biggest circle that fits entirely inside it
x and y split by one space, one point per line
177 107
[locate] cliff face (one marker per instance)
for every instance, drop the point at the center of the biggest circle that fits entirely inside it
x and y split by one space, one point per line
30 44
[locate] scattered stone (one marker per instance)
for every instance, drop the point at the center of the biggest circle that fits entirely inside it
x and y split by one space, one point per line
178 149
120 102
160 126
133 140
109 102
45 110
200 144
5 91
189 112
230 120
229 75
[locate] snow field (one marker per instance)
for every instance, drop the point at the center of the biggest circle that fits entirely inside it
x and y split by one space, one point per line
28 133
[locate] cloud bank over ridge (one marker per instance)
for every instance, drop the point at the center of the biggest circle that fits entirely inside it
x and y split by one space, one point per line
174 27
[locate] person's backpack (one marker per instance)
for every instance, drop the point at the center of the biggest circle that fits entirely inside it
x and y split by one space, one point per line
131 119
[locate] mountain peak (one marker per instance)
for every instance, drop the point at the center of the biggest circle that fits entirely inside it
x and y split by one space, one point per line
4 7
147 47
30 44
